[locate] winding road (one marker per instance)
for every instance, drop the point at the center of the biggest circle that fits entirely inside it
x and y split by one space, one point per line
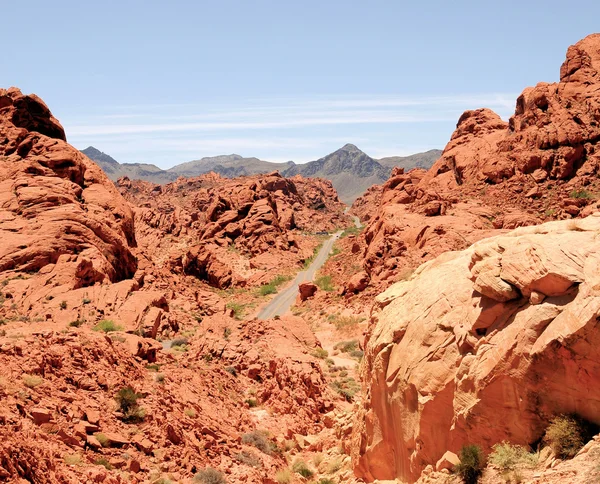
284 300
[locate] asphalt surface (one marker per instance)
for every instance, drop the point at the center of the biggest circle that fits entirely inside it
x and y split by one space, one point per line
284 300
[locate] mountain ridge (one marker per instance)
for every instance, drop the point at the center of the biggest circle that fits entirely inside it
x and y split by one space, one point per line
350 170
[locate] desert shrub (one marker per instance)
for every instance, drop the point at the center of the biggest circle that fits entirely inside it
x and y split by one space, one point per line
283 476
271 287
226 333
319 352
324 283
103 439
231 370
267 289
209 476
346 323
317 460
325 480
86 300
106 326
252 402
104 463
566 435
249 459
127 400
73 459
159 378
334 466
471 463
179 342
32 381
347 346
153 367
300 467
350 231
506 456
237 308
77 323
63 305
258 439
357 354
190 412
581 193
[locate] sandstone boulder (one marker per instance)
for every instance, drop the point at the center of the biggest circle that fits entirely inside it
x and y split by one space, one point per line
458 354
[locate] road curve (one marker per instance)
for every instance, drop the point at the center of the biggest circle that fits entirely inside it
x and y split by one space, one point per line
284 300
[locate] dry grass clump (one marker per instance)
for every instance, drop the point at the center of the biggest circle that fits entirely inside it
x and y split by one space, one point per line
284 476
506 456
209 476
260 440
32 381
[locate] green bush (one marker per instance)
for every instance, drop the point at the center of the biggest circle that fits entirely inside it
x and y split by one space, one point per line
325 283
237 308
581 193
319 352
566 435
127 400
271 287
107 325
506 456
77 323
471 463
102 461
209 476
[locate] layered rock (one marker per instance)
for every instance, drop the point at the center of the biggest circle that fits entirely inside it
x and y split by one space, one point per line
507 327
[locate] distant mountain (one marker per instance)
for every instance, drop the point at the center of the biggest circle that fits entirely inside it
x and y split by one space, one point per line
423 160
116 170
229 166
350 170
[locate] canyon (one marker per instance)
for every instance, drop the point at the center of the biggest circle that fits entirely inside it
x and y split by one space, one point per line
256 329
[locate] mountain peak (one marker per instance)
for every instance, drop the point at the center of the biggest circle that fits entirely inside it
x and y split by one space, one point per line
350 148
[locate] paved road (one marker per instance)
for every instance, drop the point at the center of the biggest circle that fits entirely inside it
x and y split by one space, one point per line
283 301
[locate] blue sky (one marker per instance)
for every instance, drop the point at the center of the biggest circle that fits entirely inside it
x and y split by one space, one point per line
166 82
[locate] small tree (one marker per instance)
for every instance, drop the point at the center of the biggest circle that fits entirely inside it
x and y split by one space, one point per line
565 436
471 463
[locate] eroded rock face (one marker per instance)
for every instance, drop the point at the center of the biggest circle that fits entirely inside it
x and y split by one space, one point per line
59 213
481 346
542 165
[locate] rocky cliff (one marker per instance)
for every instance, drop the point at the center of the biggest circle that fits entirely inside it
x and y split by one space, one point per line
492 337
481 346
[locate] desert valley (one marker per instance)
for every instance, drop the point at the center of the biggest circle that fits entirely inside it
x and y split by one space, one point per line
422 319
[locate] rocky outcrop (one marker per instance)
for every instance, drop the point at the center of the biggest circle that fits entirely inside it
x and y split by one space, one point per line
59 213
507 327
540 165
227 228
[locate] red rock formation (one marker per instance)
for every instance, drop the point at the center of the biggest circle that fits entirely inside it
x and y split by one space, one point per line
492 175
482 346
232 229
60 216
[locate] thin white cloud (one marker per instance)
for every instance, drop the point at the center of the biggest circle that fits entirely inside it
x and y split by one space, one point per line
277 129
